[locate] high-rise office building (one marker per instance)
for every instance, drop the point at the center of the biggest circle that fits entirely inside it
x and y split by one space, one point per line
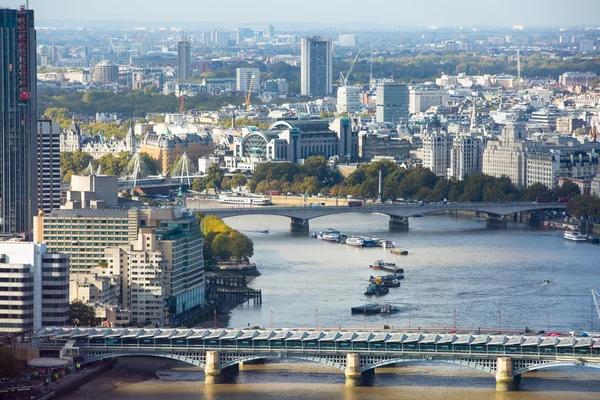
184 68
248 79
349 99
316 66
48 170
392 102
271 31
18 121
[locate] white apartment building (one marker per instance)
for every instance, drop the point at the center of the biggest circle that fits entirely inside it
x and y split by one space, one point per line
34 287
348 99
466 156
247 79
422 98
437 152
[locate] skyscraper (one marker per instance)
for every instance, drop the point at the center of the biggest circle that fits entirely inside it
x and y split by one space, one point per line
48 172
316 66
183 59
18 121
392 103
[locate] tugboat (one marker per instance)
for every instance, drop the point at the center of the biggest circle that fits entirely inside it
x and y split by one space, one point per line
388 267
397 277
385 282
376 290
354 241
389 309
367 309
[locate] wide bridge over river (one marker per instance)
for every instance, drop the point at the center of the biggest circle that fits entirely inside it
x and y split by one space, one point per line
398 213
356 352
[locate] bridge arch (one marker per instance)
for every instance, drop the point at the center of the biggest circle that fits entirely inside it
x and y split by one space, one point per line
484 365
335 361
196 360
554 364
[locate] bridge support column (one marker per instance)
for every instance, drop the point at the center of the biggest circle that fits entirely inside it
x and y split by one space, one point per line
212 370
299 225
496 221
505 380
398 223
354 377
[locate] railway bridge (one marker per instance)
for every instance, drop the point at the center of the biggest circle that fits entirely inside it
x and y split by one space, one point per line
355 352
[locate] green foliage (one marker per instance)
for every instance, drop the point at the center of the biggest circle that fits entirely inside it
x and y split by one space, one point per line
137 102
584 206
308 178
60 114
73 163
238 180
81 314
114 165
9 365
109 129
223 242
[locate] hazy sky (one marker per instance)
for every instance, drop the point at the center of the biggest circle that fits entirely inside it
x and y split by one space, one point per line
325 12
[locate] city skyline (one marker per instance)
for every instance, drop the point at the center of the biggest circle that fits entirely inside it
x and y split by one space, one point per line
434 13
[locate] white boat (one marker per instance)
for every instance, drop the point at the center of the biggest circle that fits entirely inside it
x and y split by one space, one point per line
330 235
354 241
239 198
575 236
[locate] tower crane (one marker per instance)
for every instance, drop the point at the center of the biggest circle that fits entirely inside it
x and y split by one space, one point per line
344 78
247 97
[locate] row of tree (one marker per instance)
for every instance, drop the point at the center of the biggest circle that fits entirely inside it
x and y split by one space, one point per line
222 242
315 177
216 180
585 207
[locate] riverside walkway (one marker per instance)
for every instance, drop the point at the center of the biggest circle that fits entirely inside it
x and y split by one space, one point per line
355 352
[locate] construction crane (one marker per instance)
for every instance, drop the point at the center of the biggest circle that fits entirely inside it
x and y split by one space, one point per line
247 97
56 56
344 78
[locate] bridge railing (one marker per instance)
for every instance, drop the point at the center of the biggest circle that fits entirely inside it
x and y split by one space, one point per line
385 206
313 348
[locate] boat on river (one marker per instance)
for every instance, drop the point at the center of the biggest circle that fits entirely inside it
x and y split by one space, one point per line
399 252
355 241
575 236
367 309
388 267
376 290
330 235
398 277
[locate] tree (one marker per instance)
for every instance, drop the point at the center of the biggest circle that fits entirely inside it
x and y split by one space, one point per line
220 246
76 162
9 365
240 245
198 185
214 177
238 180
81 314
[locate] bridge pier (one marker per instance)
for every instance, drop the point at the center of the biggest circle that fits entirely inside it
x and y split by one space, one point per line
496 221
354 377
299 225
398 223
506 381
212 370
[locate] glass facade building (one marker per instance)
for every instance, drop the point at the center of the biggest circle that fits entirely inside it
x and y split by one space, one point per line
18 122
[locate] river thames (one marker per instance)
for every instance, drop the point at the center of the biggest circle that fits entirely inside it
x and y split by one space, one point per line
457 272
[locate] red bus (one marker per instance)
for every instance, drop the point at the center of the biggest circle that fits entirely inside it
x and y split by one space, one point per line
274 193
564 199
542 199
355 203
